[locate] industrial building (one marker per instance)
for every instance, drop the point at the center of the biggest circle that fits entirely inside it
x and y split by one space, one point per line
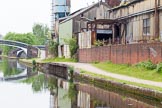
60 8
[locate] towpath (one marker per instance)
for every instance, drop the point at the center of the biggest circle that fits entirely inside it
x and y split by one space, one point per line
90 68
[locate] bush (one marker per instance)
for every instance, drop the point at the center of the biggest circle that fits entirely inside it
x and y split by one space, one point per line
72 45
96 62
159 68
147 64
71 71
34 63
53 48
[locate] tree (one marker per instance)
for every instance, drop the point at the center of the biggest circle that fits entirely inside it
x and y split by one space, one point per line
27 38
41 31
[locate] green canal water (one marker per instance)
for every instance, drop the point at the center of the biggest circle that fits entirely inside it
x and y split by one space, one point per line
24 87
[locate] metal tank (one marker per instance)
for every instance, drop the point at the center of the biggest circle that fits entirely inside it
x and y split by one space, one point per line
60 8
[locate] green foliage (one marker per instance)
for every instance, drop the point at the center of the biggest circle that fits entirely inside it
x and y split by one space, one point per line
59 60
73 46
8 68
34 63
147 64
38 82
6 49
133 71
53 48
96 62
72 92
159 68
27 38
71 70
41 32
98 43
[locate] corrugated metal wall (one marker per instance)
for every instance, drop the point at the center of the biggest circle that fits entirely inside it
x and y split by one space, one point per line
135 23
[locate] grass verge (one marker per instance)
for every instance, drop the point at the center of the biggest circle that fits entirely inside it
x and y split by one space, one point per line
133 71
49 60
59 60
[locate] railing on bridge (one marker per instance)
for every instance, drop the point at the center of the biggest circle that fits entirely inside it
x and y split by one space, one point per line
21 44
14 43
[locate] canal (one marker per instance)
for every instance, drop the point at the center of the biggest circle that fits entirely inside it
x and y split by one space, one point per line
25 87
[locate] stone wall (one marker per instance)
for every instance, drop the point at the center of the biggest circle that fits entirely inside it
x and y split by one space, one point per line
32 52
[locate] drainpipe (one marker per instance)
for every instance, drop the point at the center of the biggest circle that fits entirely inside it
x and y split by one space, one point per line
156 19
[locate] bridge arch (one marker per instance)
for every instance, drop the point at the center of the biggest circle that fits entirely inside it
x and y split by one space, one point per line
20 52
20 45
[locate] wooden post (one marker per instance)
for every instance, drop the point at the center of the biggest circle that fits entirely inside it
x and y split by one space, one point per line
87 26
156 19
113 34
95 30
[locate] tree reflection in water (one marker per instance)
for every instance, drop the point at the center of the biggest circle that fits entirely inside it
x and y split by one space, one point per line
10 67
40 82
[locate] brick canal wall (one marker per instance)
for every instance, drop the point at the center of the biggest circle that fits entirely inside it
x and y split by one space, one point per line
123 54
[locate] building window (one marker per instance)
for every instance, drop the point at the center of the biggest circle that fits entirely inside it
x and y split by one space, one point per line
146 27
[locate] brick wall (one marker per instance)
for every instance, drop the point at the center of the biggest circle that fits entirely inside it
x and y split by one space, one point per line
32 52
127 54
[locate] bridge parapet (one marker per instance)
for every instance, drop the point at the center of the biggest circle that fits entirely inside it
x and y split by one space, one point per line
13 43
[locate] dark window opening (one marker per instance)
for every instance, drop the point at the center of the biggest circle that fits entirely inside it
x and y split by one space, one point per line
117 34
105 38
146 27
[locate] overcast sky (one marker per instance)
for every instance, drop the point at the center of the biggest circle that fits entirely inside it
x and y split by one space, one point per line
20 15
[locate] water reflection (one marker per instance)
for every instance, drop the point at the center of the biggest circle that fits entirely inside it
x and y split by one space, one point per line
44 91
10 68
13 93
64 94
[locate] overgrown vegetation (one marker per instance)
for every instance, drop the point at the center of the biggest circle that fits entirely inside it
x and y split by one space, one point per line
53 48
159 68
147 64
73 46
150 66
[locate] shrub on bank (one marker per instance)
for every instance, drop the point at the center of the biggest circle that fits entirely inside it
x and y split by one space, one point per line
159 68
147 64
